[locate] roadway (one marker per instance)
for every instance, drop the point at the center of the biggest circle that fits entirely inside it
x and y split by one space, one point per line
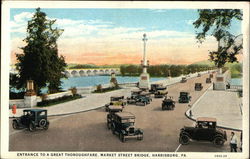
87 131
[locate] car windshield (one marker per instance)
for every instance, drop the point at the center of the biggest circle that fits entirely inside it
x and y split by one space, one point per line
128 124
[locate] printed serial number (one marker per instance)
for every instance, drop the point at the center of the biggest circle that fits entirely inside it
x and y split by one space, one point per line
220 156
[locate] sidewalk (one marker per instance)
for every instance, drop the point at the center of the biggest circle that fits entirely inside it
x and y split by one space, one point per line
88 102
222 105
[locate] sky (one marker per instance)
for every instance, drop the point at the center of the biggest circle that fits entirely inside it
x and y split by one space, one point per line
114 36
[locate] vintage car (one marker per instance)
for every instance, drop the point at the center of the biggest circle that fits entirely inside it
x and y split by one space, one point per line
205 130
110 115
184 97
168 104
123 126
211 75
32 119
183 79
198 75
154 87
116 101
198 87
139 97
208 80
161 92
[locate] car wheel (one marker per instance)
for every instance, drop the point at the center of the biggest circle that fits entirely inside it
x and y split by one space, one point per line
15 125
42 123
46 127
108 125
121 137
184 139
32 127
219 141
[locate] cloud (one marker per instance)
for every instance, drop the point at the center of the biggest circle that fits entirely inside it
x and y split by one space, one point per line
100 42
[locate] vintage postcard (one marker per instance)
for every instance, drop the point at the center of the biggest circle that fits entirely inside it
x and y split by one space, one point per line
113 79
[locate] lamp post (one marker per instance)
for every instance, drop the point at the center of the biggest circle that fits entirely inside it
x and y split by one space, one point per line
144 77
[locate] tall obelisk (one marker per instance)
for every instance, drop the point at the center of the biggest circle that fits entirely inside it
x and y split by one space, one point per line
144 77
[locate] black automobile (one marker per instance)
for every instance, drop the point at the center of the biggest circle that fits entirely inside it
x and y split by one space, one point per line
154 87
198 87
208 80
139 97
184 97
161 92
123 126
205 130
168 104
183 79
116 100
110 115
32 119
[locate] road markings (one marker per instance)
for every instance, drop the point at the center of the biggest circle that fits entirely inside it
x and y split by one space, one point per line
178 148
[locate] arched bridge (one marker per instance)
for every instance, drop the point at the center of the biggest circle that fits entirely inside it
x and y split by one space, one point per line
91 72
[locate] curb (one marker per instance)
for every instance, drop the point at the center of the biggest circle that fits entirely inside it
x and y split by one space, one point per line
69 113
190 118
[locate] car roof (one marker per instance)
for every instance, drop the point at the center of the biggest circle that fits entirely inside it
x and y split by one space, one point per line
34 110
206 119
115 107
125 115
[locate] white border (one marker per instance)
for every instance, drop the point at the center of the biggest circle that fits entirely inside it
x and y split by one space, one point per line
5 57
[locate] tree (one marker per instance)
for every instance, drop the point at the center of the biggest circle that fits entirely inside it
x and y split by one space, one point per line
40 61
218 21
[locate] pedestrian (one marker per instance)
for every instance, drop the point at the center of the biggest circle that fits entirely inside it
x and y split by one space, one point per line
233 142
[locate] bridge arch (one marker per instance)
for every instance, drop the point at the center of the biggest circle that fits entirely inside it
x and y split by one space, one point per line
67 73
82 73
74 73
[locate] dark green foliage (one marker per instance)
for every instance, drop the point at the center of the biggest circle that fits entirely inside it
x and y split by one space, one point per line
40 61
14 95
164 70
218 22
100 89
58 100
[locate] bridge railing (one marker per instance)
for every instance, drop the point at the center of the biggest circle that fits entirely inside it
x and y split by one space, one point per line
237 87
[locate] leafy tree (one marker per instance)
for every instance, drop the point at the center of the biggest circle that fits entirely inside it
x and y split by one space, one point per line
218 21
40 61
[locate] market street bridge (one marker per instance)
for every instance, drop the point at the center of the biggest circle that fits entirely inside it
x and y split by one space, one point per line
91 72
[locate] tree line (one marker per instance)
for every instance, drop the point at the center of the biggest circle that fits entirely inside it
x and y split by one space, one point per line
164 70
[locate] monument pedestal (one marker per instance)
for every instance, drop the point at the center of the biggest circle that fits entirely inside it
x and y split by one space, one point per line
220 82
30 101
144 81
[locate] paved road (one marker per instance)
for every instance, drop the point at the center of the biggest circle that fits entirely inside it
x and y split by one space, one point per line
88 132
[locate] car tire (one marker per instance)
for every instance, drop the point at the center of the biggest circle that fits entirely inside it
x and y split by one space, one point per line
42 123
32 127
46 127
121 137
108 125
15 125
219 141
184 139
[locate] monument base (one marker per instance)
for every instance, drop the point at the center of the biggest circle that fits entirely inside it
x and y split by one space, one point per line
144 81
220 83
30 101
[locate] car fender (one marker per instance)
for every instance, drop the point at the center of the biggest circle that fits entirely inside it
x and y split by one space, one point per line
219 135
183 132
123 132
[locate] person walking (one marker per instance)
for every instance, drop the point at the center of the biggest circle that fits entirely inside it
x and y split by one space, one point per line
233 142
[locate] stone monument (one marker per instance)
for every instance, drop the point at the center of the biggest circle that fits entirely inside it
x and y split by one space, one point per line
30 95
144 77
